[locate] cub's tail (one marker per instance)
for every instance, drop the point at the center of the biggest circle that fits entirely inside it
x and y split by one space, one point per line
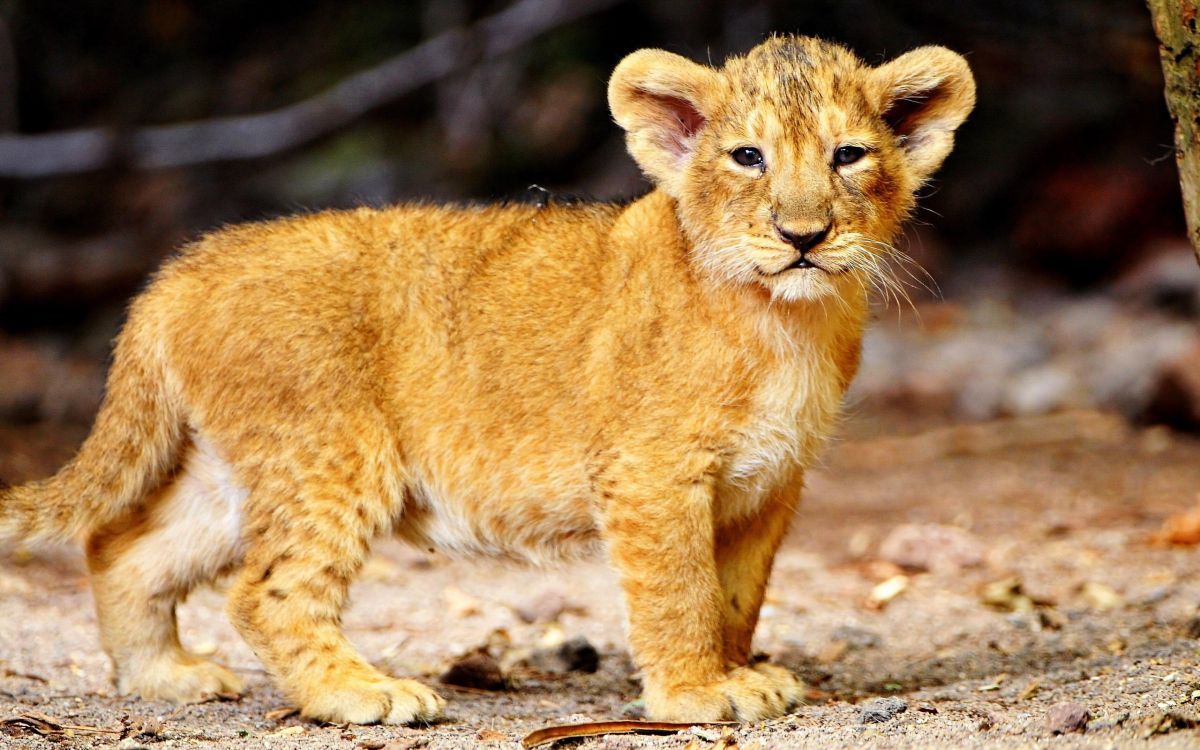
135 441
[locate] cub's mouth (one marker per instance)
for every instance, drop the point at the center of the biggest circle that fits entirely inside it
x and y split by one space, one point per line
804 262
807 264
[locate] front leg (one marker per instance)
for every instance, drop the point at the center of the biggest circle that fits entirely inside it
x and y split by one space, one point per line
660 539
745 552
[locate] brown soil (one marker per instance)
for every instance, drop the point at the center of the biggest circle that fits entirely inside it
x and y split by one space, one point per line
1064 505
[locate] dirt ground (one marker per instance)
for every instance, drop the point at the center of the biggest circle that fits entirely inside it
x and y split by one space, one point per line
1046 590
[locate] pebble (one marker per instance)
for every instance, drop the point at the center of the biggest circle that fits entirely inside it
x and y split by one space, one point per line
475 670
634 709
547 607
1191 629
574 655
855 637
1067 717
880 710
1108 722
932 546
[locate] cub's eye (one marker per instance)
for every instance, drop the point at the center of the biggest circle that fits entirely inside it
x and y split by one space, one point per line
848 154
747 157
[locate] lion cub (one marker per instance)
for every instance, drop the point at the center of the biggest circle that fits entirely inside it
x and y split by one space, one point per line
649 380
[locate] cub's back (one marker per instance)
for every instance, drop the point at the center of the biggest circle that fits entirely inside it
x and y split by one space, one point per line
360 301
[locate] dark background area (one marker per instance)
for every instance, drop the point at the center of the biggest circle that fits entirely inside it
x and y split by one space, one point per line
1062 184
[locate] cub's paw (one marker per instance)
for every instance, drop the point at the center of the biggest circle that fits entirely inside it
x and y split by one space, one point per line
180 678
746 694
787 684
381 700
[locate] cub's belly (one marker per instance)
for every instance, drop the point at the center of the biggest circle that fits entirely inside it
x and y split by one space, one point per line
524 526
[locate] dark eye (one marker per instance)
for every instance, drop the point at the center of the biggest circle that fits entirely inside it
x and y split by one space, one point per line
747 157
848 154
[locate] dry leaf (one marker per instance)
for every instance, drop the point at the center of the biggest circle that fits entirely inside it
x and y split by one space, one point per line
547 735
887 591
1007 595
1100 596
996 683
1031 689
291 731
48 726
279 714
459 602
491 735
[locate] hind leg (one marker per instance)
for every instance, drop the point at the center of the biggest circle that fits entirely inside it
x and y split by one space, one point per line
309 522
141 565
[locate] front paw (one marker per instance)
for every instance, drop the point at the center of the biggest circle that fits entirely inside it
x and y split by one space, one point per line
381 700
745 694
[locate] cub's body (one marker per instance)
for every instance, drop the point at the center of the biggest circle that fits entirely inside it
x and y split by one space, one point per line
650 380
493 359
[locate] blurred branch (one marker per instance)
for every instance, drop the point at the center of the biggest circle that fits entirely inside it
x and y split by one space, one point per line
252 136
1176 22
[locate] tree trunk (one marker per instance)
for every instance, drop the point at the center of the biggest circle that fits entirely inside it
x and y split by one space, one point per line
1176 23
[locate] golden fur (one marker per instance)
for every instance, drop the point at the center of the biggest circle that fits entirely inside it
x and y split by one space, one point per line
649 380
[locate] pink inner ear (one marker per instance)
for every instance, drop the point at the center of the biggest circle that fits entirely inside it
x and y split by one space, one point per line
906 111
683 119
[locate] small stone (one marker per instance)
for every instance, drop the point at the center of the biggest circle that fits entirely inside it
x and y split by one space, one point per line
880 710
856 638
1191 628
574 655
1108 722
634 709
547 607
932 546
708 735
475 670
1175 397
1064 718
1165 723
144 726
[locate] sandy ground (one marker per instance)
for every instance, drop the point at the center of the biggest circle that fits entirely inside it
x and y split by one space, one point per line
1064 506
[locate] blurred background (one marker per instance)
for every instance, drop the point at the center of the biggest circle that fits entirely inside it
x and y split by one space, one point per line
1054 237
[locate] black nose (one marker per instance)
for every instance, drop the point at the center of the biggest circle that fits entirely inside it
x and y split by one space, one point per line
802 241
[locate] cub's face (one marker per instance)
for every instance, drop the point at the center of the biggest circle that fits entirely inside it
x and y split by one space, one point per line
794 166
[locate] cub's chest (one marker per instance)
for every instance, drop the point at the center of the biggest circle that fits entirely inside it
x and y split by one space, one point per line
791 414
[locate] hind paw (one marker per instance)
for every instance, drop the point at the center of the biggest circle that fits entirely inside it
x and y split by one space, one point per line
180 678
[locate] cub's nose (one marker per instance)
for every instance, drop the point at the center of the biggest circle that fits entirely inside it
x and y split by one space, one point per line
802 240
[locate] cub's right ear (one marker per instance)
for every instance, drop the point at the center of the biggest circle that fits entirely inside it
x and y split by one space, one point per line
662 101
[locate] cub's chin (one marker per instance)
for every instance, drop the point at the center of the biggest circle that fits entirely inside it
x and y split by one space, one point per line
807 284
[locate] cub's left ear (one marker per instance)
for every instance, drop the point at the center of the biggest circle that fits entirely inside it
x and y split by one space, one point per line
924 95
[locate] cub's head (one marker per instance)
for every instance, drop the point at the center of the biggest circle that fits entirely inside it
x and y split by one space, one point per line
794 166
